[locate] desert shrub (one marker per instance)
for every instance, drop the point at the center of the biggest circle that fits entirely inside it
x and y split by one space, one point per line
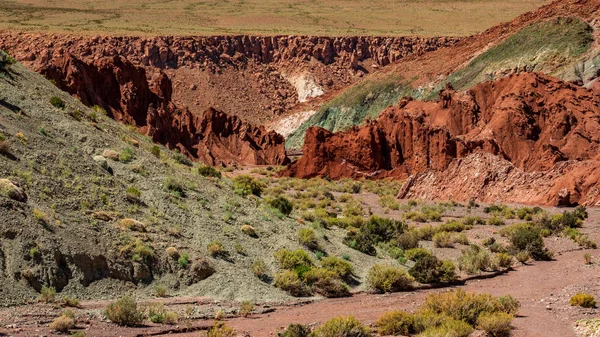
308 238
220 315
155 151
282 204
522 256
407 240
433 213
326 282
416 216
463 306
160 291
173 186
47 294
133 194
495 221
126 155
290 282
583 300
473 220
245 185
341 267
502 260
4 146
133 225
40 216
372 232
291 259
447 239
386 278
172 252
183 260
495 324
474 260
157 313
449 328
587 258
416 254
342 327
249 230
389 201
495 209
63 323
215 248
182 159
529 238
141 252
57 102
295 330
431 270
68 302
395 323
259 269
220 330
124 311
246 308
209 171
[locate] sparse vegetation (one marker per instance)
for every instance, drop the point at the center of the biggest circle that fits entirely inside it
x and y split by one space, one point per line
57 102
583 300
209 171
386 278
245 185
124 311
342 327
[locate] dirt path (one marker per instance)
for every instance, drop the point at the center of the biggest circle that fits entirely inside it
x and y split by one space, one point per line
543 288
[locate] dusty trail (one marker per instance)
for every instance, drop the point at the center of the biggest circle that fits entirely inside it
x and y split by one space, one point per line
534 286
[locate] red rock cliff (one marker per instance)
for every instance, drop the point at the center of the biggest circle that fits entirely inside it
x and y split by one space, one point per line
530 120
124 91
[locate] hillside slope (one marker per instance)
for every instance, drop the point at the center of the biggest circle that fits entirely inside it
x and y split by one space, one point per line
89 206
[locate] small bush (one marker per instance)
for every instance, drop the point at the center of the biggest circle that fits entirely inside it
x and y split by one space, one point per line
502 260
57 102
126 155
474 260
47 294
246 308
155 151
449 328
160 291
4 146
173 186
587 258
63 324
259 269
290 282
291 259
221 330
431 270
407 240
157 313
416 254
308 238
495 324
133 194
529 238
341 267
124 311
215 248
245 185
395 323
495 221
209 171
523 257
69 302
295 330
183 260
172 252
326 282
386 278
248 230
40 216
282 204
342 327
583 300
182 159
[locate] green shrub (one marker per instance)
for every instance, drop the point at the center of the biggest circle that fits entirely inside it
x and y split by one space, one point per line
133 194
157 313
209 171
407 240
62 324
416 254
160 291
126 155
342 327
429 269
259 269
372 232
245 185
326 282
290 282
583 300
342 268
523 256
529 238
173 186
291 259
57 102
215 248
184 260
220 330
495 324
473 220
295 330
495 221
474 260
395 323
386 278
47 294
246 308
182 159
449 328
308 238
155 151
124 311
502 260
282 204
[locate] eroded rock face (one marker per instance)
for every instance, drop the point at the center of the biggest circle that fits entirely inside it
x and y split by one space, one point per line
124 91
531 120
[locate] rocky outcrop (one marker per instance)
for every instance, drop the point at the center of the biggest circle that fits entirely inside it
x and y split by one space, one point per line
530 120
199 51
124 91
